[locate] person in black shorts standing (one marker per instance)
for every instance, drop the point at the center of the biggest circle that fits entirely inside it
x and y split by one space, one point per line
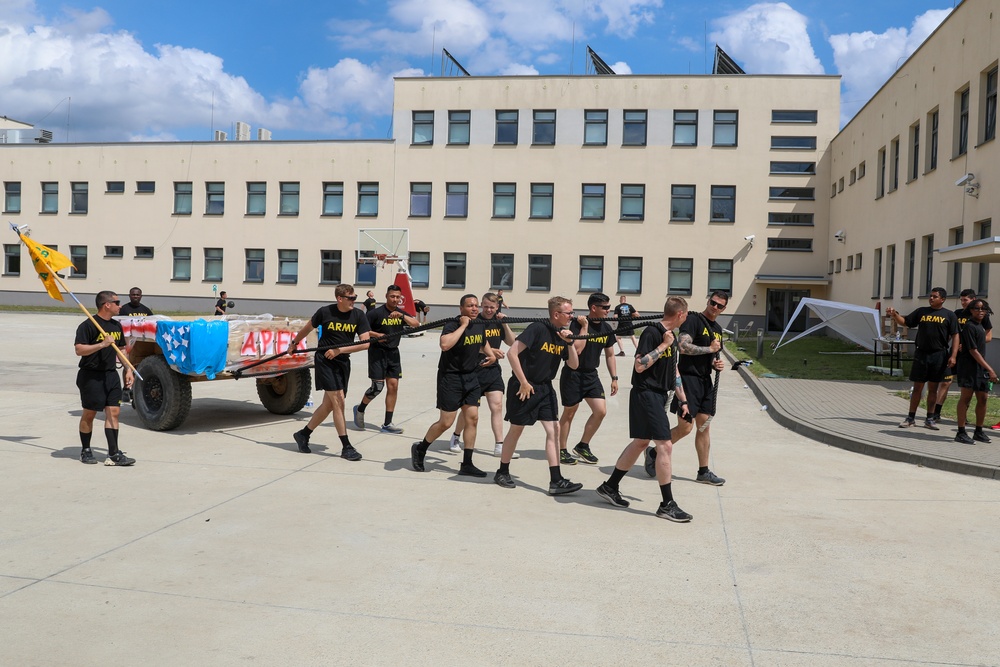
654 375
97 379
370 301
625 314
962 314
583 383
974 374
534 359
937 333
384 365
463 344
341 323
220 305
699 341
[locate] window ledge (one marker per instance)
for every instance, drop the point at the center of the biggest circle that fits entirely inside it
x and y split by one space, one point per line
180 280
331 215
12 213
288 215
188 214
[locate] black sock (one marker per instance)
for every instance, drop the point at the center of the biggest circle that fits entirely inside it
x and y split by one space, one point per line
307 430
423 445
911 416
361 407
979 428
583 444
112 436
555 474
702 470
388 417
85 439
616 478
504 468
666 493
467 457
961 430
345 441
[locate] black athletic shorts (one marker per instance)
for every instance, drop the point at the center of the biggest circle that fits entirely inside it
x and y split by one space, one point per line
574 386
490 379
972 376
540 406
647 415
99 389
929 367
698 390
457 389
333 375
384 363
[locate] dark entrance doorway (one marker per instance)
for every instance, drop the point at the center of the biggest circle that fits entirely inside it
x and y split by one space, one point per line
781 303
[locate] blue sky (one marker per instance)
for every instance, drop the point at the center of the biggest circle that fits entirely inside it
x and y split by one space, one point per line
124 70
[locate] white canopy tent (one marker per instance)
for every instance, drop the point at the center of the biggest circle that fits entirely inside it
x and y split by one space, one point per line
855 323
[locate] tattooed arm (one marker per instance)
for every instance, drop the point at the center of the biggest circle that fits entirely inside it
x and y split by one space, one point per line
644 362
688 347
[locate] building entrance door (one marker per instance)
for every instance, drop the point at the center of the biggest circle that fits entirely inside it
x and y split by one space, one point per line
781 303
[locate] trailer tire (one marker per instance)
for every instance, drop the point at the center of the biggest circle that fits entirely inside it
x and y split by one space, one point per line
285 394
163 396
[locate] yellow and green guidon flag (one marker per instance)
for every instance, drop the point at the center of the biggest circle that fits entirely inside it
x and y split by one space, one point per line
55 261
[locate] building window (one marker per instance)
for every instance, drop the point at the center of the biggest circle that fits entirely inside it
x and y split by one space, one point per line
591 273
680 273
840 184
890 271
790 219
877 274
213 264
957 238
145 187
962 127
215 198
990 109
504 198
506 128
501 271
12 197
365 273
420 269
723 203
423 128
983 270
850 261
420 200
793 167
79 203
50 198
288 202
720 275
933 119
914 151
857 261
894 174
833 190
256 199
115 187
800 194
254 265
144 252
630 275
725 126
541 200
367 200
330 266
829 268
333 199
539 273
928 263
633 202
288 266
114 252
182 264
861 170
685 128
456 200
458 127
793 116
454 269
880 186
793 143
837 264
593 202
543 129
595 128
790 245
634 128
182 198
682 202
911 260
12 259
854 176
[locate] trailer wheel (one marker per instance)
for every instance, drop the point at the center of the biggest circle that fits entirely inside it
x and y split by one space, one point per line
162 397
285 394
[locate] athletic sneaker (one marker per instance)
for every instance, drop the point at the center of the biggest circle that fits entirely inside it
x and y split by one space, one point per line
650 462
979 436
964 438
359 418
498 450
566 458
119 459
563 486
611 495
87 456
302 440
455 444
471 470
390 428
620 354
587 456
709 477
907 423
349 453
503 479
671 512
931 424
417 457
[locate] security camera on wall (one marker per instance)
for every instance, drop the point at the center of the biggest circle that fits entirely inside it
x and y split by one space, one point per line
965 180
840 235
750 238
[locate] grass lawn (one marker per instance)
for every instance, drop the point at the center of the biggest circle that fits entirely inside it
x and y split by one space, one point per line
812 358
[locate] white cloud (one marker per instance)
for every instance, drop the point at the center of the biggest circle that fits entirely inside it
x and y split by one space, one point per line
768 38
621 67
624 17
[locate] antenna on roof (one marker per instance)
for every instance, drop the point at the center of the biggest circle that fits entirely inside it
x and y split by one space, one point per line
724 64
596 65
450 66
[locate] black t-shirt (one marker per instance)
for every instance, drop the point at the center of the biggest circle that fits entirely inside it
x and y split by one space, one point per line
221 305
338 327
382 321
963 315
661 376
935 327
493 332
419 305
624 311
702 331
87 334
973 337
128 310
464 356
369 304
593 349
543 350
